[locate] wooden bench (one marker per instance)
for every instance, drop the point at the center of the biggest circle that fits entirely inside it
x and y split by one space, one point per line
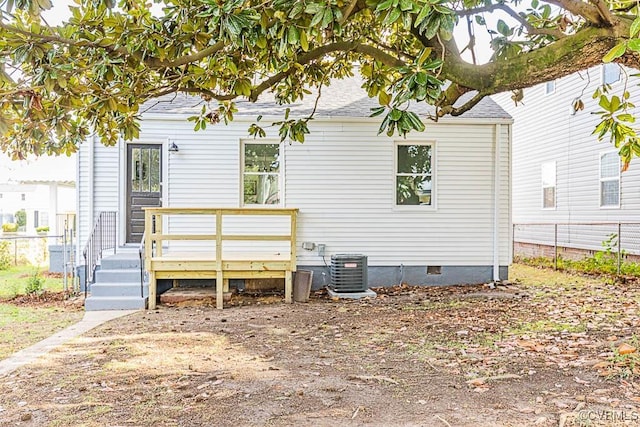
162 261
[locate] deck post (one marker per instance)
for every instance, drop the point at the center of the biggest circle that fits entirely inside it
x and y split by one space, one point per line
288 278
288 286
152 290
148 253
219 274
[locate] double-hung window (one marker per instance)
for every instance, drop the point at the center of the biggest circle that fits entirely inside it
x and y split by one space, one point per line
414 174
548 170
610 179
261 173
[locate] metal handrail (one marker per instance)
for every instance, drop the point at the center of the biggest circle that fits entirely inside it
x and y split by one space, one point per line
140 254
102 237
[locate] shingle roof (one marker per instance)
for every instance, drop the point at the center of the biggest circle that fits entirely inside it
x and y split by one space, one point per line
343 98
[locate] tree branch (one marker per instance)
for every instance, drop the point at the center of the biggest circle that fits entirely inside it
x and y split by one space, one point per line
457 111
579 8
554 32
347 11
187 59
603 10
319 53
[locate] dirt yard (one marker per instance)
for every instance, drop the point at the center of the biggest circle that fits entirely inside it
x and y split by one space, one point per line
548 350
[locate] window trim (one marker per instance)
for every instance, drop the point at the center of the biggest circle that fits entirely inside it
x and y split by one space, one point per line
600 180
546 87
394 174
602 73
555 185
281 172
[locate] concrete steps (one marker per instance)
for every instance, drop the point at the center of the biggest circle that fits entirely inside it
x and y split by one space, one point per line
117 285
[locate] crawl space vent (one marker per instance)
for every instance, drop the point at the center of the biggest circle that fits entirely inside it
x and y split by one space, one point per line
348 273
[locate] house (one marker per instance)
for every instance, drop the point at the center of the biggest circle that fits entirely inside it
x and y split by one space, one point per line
44 188
568 189
430 209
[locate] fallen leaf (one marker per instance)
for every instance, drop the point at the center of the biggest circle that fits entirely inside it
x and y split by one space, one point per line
476 382
625 348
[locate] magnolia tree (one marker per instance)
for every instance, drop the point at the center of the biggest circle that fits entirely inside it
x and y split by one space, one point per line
91 74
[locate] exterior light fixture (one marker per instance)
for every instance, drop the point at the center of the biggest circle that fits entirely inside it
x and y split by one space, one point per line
173 148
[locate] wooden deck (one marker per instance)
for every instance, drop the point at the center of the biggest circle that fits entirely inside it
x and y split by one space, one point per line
162 261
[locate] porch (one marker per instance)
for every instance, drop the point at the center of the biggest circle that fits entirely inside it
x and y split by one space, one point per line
220 244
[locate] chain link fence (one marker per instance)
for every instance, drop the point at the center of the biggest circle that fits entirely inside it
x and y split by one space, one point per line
577 240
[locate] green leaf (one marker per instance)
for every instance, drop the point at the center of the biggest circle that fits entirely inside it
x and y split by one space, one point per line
635 27
384 5
384 98
616 52
304 42
377 111
395 114
626 117
604 102
634 44
327 18
424 55
392 17
503 28
424 12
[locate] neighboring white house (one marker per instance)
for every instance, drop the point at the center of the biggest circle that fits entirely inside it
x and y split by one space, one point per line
433 208
43 187
563 175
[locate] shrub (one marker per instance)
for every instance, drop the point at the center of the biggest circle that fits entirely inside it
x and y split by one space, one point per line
35 285
43 229
5 256
10 227
21 218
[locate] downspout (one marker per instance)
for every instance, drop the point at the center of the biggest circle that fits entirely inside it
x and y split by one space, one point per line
90 197
496 202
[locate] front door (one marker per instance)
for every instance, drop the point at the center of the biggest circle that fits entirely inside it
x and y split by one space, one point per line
144 175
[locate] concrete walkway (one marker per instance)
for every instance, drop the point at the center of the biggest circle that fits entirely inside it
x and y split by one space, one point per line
90 320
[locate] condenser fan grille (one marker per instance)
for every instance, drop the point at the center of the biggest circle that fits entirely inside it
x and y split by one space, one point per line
348 273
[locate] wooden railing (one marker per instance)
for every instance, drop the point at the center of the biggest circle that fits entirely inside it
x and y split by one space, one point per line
216 263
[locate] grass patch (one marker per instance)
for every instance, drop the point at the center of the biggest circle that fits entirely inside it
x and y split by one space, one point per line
533 276
15 281
546 326
603 263
21 327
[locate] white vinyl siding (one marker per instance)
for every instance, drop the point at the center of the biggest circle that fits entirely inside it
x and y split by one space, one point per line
548 178
610 180
342 181
545 127
97 186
